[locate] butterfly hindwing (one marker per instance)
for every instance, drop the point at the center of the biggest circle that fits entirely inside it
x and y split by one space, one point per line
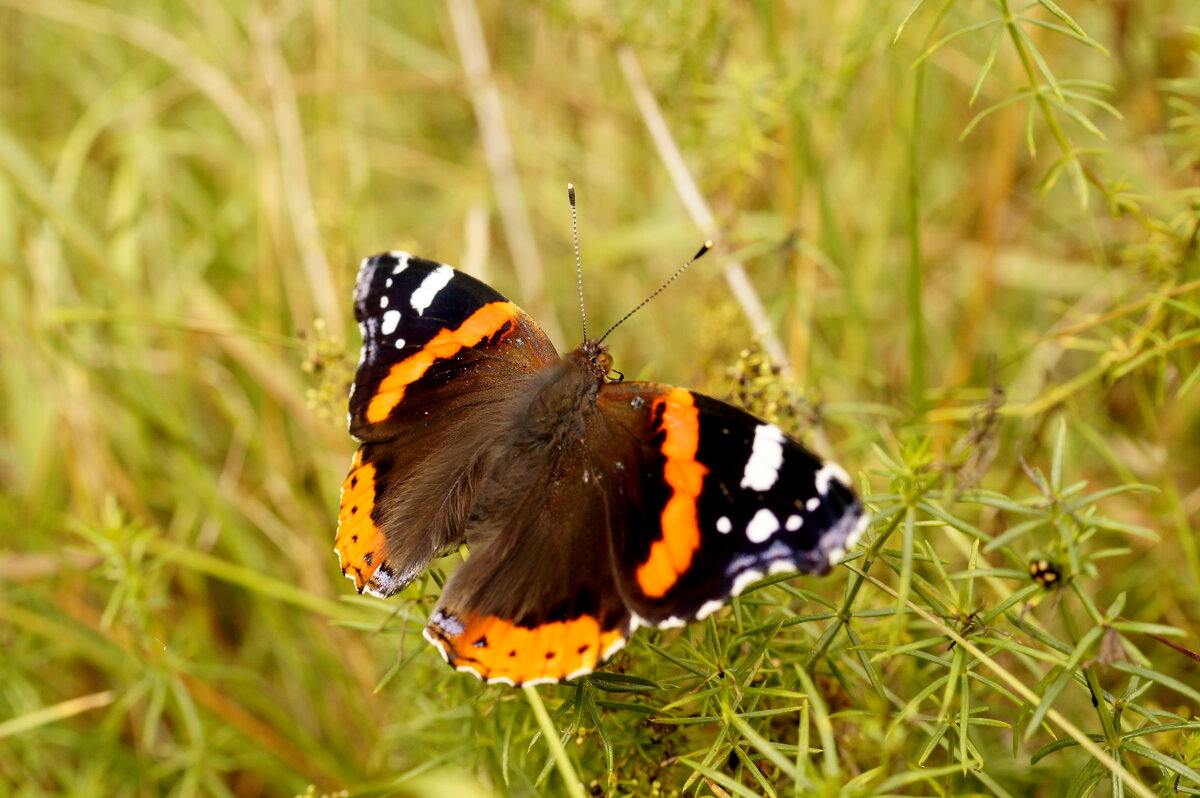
437 347
538 602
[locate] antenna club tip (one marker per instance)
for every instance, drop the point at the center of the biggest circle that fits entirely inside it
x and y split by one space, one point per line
570 186
708 244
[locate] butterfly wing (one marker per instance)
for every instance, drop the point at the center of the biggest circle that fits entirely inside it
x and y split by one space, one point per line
439 347
537 600
707 499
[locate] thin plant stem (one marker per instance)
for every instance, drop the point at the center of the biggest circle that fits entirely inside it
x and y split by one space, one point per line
916 341
561 760
685 185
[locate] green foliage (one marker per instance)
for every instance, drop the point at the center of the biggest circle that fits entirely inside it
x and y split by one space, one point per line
974 227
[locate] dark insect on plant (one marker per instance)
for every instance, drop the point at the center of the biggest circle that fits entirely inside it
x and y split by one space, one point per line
1045 573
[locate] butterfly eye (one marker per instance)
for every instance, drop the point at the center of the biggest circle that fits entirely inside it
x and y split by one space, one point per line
603 358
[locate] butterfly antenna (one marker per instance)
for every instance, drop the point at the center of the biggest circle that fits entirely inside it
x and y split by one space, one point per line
707 246
578 264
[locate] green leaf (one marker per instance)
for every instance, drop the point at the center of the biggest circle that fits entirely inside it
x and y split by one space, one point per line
763 746
621 682
735 787
1159 678
1066 31
1058 745
1164 761
907 16
1038 59
984 69
931 49
1057 11
1137 627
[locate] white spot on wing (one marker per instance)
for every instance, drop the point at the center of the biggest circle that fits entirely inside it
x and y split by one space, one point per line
766 456
744 580
399 343
794 522
762 526
844 534
403 257
812 504
781 567
724 525
391 320
831 471
434 282
708 608
860 526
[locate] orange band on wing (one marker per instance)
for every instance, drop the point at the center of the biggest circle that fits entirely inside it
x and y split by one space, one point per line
480 325
497 650
360 545
671 554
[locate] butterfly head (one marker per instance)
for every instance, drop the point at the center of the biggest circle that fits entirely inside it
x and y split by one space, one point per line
593 355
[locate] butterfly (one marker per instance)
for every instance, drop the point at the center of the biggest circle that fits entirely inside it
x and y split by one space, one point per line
590 505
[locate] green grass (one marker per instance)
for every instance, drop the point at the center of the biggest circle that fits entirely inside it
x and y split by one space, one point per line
973 231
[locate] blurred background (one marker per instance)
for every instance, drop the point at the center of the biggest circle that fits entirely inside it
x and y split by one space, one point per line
956 245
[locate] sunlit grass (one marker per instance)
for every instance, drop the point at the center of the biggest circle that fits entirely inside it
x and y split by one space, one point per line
972 229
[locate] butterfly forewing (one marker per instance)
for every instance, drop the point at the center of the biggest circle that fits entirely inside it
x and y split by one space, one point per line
434 338
716 500
437 346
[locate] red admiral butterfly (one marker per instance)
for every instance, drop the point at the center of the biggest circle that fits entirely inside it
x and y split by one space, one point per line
591 506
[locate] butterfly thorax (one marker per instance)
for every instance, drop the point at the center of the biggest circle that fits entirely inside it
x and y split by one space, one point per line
565 393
